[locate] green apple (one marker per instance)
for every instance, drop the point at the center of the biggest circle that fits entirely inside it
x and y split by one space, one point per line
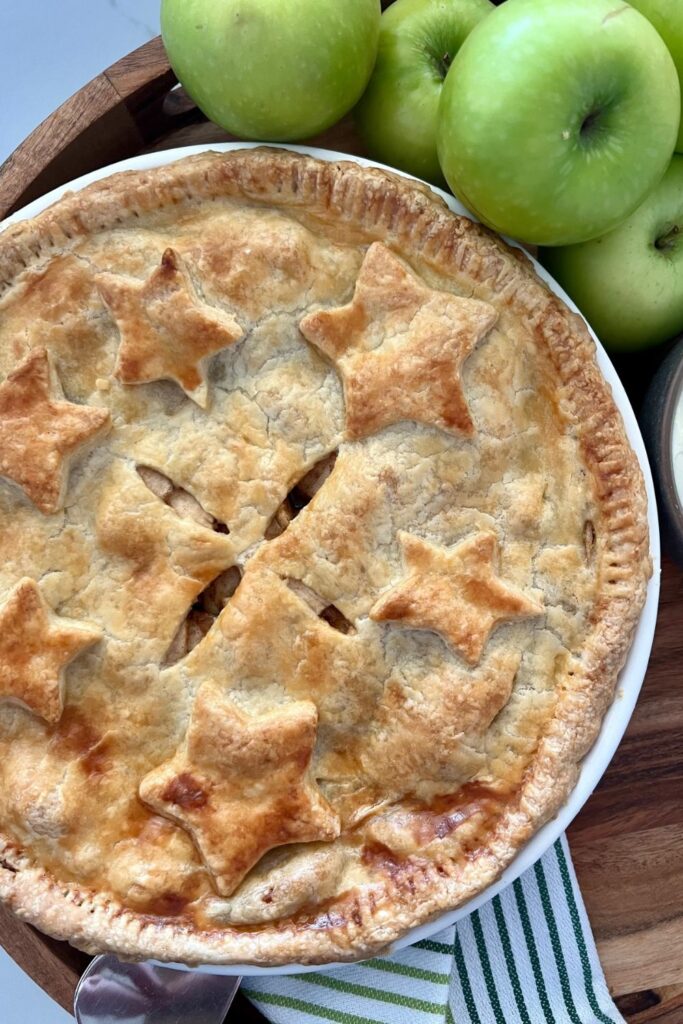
557 118
272 69
629 284
667 18
397 115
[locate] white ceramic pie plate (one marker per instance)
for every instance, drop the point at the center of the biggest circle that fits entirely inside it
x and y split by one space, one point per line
633 673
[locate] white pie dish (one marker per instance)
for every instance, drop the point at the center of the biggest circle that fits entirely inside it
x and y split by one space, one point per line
630 680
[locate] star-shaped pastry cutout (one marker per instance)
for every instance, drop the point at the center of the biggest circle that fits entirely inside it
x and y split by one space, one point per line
240 784
35 648
40 432
400 347
167 332
455 592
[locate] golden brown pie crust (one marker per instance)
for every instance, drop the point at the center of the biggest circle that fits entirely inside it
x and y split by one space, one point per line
411 754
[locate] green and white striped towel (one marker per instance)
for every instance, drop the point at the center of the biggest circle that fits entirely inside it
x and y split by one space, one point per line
526 957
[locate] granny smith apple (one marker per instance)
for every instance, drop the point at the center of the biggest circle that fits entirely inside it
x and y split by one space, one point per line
667 18
557 118
629 283
397 115
272 69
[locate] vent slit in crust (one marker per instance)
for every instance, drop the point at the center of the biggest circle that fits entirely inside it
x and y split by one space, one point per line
329 613
300 495
180 500
202 615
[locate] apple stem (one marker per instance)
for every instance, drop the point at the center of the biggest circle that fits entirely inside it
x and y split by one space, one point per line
588 124
668 239
445 63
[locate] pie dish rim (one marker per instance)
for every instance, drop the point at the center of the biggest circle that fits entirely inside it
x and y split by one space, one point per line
630 679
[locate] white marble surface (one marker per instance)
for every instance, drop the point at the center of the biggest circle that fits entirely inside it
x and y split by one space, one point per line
48 49
22 1001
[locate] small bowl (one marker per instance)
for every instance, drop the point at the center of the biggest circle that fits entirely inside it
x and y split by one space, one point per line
662 410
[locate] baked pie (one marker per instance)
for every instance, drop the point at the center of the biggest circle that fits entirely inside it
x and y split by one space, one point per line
322 546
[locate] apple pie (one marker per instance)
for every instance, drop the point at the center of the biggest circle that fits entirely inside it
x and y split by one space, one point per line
321 546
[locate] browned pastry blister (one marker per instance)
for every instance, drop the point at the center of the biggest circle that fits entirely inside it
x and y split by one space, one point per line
321 547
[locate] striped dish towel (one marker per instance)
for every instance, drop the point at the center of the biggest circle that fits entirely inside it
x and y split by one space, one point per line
526 957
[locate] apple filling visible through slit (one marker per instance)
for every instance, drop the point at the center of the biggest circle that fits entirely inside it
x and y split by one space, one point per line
202 615
300 495
180 500
328 612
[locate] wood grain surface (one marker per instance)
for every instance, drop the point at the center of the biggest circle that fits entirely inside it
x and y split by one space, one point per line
627 843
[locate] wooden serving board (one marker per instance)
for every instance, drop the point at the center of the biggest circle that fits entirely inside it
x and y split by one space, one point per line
627 843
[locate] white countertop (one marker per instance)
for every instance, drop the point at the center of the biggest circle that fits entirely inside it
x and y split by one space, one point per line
48 50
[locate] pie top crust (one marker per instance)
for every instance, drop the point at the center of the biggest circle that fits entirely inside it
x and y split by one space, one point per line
322 546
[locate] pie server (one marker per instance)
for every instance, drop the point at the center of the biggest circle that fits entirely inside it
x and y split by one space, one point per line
112 992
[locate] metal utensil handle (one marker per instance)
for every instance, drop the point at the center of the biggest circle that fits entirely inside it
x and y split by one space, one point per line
112 992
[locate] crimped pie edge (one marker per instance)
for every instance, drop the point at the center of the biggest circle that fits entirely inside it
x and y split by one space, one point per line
411 218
